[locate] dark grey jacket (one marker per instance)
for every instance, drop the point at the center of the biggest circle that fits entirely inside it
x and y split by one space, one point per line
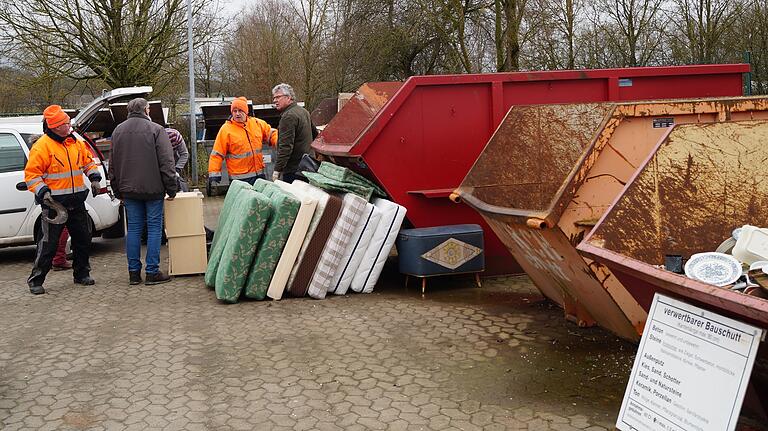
294 137
141 163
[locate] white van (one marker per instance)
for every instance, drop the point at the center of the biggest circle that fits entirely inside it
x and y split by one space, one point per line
19 215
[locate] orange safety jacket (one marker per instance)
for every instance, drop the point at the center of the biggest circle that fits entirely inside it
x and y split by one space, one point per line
60 166
241 146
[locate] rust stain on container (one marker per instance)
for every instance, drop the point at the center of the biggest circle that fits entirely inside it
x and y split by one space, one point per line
345 129
699 182
533 150
510 184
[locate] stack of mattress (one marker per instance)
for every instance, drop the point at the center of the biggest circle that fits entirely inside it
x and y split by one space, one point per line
254 227
355 261
298 239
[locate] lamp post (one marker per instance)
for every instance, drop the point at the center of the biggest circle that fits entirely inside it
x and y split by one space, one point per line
192 116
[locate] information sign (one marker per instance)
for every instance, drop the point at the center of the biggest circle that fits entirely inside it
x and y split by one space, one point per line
690 372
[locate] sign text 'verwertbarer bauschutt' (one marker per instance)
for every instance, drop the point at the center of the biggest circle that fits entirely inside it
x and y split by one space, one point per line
690 372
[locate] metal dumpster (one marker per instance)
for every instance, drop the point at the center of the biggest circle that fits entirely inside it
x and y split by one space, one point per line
418 139
700 182
550 172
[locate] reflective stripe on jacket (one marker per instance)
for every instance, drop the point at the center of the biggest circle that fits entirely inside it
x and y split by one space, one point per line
241 146
60 166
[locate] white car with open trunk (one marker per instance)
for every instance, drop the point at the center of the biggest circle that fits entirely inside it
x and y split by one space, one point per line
19 215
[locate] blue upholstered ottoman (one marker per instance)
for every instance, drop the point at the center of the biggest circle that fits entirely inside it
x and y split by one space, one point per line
441 250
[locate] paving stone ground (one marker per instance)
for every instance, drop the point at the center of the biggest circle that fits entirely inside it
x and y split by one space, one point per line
170 357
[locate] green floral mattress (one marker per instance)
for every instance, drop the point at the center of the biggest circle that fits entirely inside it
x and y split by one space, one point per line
345 175
333 185
247 224
285 207
222 229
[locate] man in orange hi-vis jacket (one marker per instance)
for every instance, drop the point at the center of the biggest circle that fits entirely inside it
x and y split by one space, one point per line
54 173
239 141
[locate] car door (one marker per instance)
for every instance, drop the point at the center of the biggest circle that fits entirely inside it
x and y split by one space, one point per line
15 204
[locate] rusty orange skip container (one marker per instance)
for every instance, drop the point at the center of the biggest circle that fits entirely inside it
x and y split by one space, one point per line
699 182
551 171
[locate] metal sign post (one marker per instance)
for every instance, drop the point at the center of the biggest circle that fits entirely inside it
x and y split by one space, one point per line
192 116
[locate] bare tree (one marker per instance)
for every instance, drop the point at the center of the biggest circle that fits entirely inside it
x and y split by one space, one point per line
346 38
406 46
509 33
632 29
311 17
752 27
452 21
557 28
119 42
594 50
702 29
261 52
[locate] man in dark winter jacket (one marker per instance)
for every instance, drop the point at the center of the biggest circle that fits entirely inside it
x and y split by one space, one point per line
141 169
295 133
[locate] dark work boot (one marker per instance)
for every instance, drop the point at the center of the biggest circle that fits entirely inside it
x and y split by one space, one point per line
36 290
85 281
134 277
157 278
62 266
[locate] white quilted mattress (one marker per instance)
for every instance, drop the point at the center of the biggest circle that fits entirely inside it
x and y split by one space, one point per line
353 255
381 244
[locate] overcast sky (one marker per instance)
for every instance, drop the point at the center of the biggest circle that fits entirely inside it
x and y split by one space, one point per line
231 8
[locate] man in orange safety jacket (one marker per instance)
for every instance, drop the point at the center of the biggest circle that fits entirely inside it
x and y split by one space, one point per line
54 173
239 141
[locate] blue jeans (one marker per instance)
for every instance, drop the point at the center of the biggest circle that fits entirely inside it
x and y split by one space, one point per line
138 214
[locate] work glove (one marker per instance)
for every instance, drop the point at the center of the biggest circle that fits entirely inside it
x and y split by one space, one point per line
214 179
48 199
40 193
275 176
95 188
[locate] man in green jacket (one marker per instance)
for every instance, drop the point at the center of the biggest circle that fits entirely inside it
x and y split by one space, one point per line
295 133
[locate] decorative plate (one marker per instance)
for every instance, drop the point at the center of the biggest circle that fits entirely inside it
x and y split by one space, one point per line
719 269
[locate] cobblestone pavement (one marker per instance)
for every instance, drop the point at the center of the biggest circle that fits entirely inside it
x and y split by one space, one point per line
171 357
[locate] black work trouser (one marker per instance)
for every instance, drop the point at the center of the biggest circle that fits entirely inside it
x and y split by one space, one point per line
78 224
289 177
252 180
